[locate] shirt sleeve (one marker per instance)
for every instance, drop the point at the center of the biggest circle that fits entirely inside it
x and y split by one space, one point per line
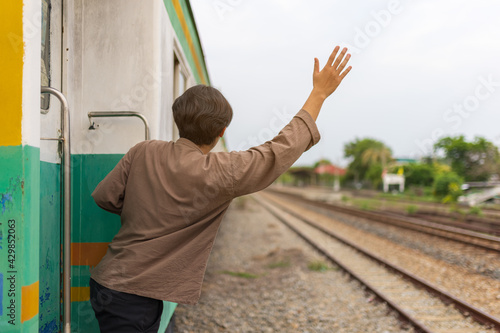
110 192
256 168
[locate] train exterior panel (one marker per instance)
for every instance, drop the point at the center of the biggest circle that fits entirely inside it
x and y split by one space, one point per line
104 56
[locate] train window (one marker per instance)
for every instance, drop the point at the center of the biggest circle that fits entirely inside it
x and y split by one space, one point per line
179 87
45 63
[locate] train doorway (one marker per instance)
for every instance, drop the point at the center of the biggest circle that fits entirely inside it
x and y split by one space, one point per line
51 191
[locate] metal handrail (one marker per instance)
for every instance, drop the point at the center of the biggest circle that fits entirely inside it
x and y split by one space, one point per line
106 114
66 170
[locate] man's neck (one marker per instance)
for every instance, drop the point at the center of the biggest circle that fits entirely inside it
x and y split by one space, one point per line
205 148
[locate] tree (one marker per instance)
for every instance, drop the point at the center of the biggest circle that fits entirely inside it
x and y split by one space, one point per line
374 175
322 161
448 186
419 174
474 161
364 153
378 153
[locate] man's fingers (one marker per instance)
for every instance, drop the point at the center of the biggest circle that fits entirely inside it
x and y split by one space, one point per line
339 58
332 56
316 65
342 65
342 76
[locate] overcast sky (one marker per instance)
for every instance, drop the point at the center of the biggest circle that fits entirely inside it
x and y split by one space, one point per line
421 69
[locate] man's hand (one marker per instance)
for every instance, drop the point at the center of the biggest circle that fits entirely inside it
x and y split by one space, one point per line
326 81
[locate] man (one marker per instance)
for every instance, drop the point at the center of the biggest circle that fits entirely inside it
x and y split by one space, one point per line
171 197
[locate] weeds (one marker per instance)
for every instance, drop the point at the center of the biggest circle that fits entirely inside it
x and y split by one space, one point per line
365 205
475 211
318 266
411 209
240 274
279 264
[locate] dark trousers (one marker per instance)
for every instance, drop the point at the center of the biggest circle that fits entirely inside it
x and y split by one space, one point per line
122 312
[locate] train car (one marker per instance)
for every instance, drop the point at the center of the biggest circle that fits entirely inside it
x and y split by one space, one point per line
82 82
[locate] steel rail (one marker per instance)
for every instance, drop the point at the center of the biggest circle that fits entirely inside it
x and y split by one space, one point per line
109 114
408 317
66 180
485 227
454 233
464 307
489 211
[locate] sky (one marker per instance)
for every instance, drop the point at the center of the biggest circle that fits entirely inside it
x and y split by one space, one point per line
421 69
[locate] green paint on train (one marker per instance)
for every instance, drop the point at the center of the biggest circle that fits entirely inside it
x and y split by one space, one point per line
19 240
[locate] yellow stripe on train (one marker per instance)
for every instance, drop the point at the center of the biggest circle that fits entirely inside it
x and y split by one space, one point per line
29 301
189 39
11 67
80 294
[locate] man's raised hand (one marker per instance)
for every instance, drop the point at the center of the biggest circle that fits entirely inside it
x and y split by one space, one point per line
329 78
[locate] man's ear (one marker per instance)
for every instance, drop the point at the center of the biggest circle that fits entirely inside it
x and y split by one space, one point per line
222 133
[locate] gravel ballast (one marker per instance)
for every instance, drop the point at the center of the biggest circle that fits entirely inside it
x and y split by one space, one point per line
420 254
258 279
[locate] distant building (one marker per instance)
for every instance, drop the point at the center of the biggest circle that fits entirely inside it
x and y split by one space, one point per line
305 176
393 179
401 161
329 169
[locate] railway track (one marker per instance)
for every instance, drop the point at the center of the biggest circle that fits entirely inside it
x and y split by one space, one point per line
480 225
482 240
488 221
432 206
422 304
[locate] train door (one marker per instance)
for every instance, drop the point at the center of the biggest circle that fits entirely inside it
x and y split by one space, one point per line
50 171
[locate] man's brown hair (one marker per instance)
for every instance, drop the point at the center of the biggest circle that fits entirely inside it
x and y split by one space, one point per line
201 113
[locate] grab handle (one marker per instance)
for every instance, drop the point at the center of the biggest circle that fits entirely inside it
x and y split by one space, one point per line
108 114
66 179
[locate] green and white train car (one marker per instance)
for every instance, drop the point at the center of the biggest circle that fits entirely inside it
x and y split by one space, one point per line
112 69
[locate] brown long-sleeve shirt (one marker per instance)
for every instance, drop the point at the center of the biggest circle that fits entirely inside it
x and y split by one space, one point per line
171 198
